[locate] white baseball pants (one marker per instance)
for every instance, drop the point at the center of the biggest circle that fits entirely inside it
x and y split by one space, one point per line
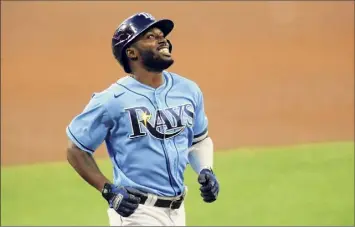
148 215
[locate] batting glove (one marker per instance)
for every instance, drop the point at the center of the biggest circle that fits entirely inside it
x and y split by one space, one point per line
209 185
124 200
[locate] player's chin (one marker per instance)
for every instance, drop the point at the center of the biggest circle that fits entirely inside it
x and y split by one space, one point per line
167 59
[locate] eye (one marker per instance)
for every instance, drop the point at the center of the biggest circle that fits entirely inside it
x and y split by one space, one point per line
150 36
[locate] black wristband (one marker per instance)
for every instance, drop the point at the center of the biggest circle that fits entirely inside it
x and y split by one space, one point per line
209 169
107 191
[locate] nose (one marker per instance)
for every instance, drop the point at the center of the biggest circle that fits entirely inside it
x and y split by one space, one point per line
162 40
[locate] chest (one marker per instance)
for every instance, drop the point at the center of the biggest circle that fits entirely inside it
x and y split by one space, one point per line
162 116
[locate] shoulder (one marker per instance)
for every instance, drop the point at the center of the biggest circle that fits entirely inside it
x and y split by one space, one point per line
113 91
186 84
108 95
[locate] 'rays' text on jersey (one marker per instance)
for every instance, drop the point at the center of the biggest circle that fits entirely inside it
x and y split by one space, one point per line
162 124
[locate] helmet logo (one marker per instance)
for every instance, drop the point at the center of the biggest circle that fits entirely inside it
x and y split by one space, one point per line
123 34
146 15
121 38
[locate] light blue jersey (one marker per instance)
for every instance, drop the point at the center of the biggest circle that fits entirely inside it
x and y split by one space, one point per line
147 131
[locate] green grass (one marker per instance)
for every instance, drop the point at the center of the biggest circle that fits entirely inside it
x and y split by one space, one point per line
299 185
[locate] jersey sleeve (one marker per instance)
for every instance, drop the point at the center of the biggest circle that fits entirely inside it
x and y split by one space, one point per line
200 127
89 129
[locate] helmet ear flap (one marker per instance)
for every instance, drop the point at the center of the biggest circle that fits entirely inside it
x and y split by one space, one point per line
170 46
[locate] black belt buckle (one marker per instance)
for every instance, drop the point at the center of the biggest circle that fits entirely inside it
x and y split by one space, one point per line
175 204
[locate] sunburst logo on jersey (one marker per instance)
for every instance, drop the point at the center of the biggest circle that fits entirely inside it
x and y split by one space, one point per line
146 117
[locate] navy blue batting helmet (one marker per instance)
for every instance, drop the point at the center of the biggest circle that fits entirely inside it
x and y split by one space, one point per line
130 29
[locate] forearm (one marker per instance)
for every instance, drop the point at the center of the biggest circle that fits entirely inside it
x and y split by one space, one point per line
85 165
201 155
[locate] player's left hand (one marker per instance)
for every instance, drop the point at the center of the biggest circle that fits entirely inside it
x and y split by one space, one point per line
209 185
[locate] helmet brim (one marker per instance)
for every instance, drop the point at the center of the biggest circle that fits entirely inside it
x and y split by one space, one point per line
165 25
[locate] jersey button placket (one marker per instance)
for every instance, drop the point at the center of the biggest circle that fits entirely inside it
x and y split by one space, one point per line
158 107
172 162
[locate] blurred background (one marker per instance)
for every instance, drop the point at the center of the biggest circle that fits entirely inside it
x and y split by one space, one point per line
278 80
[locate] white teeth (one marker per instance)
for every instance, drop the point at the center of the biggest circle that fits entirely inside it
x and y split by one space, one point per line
164 50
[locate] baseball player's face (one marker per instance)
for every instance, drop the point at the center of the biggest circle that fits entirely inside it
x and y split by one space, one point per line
153 50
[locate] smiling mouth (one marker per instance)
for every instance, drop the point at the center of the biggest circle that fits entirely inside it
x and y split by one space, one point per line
165 51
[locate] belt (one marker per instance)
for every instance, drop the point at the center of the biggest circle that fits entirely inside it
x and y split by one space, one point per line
172 203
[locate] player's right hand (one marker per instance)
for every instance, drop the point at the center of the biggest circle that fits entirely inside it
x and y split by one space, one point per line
123 200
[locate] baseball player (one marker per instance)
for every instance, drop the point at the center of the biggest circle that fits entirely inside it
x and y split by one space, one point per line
153 123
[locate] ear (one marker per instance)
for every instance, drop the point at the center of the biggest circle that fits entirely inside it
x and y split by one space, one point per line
132 53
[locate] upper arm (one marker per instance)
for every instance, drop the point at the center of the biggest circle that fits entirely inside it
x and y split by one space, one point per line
89 129
72 146
200 127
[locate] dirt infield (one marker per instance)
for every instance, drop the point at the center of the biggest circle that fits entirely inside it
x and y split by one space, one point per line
272 73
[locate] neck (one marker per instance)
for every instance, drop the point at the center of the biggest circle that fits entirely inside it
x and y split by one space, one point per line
152 79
